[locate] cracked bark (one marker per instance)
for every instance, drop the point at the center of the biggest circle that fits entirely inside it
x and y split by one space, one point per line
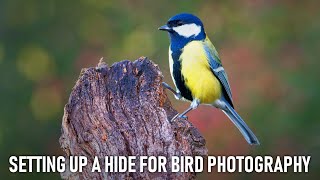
122 110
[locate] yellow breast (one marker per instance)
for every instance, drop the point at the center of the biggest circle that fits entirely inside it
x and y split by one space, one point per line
197 73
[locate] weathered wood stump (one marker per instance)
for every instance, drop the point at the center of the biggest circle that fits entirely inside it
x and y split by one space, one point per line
123 110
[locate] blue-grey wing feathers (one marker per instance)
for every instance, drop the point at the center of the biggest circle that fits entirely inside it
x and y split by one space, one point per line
218 71
225 103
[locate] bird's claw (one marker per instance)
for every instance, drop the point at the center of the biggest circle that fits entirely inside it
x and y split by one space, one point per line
185 117
177 94
166 85
178 116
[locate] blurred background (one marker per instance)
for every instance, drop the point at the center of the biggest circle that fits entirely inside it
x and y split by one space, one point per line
271 51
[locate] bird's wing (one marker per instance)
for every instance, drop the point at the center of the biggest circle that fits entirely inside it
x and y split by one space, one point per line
217 69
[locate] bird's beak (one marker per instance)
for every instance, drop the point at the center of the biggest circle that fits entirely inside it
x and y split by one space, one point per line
165 28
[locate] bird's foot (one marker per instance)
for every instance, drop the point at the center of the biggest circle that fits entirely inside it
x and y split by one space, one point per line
177 94
166 85
194 104
178 116
185 117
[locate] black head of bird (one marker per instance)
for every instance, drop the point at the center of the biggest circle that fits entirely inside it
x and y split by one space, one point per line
183 28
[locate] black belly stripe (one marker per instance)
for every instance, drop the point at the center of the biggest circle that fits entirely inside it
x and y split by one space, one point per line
178 77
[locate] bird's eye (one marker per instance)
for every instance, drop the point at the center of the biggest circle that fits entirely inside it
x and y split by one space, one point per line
179 23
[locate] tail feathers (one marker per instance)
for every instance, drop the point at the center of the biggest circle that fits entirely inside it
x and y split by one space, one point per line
241 125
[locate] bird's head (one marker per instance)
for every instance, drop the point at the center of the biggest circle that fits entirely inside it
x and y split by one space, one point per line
184 27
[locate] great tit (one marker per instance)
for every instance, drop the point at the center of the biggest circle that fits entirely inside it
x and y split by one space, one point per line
197 71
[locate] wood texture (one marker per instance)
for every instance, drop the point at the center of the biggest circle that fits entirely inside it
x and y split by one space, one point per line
123 110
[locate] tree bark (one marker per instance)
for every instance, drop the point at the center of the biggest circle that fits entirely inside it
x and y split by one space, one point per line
123 110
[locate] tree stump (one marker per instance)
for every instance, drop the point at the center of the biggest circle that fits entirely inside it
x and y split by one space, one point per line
123 110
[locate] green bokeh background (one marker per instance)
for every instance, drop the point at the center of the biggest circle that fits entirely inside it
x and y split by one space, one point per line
271 51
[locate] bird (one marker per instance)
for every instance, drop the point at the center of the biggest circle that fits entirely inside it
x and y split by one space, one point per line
197 71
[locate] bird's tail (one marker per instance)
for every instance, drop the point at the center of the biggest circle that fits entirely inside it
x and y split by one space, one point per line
241 125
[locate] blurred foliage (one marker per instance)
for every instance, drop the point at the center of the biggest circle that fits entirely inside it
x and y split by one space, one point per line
269 48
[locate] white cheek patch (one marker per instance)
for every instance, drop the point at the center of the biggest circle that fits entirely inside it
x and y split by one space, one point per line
188 30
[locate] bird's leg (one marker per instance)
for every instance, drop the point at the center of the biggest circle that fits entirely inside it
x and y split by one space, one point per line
177 95
195 103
